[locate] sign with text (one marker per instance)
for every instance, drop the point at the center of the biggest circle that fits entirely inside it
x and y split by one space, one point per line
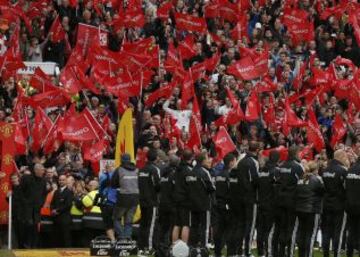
47 67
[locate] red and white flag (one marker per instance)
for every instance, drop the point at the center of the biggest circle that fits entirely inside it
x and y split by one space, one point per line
190 23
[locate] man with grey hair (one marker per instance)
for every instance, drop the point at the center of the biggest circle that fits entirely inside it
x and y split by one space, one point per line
33 188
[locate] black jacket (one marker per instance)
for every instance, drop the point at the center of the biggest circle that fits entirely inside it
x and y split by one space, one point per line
334 177
199 188
62 203
149 185
352 189
222 186
243 181
34 192
309 195
179 193
266 186
166 188
286 180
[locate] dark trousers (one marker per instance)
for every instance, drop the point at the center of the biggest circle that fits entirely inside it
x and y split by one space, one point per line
148 227
63 234
31 236
199 228
166 223
354 234
221 225
265 231
243 221
285 232
308 226
332 227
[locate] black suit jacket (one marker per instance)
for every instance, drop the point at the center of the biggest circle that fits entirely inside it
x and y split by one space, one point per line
62 202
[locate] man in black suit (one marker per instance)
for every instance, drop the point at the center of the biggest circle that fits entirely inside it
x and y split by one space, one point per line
60 210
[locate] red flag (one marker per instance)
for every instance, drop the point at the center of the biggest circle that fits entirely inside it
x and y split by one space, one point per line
314 135
42 125
172 58
20 140
195 127
269 114
122 85
244 69
235 115
291 119
266 85
42 82
84 81
101 133
262 63
69 81
162 92
338 130
48 99
190 23
130 19
52 140
301 32
294 16
58 33
187 47
187 90
77 127
223 143
163 10
342 88
252 112
212 62
141 158
283 151
94 153
240 30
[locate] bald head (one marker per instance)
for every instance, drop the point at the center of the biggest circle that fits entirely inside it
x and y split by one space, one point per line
39 170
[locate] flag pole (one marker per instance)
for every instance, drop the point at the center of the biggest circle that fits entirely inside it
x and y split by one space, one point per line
10 222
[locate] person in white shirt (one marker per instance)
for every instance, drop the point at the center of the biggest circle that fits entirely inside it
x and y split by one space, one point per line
223 109
182 117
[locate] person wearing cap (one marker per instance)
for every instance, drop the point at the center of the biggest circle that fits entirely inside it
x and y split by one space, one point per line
149 186
125 179
334 217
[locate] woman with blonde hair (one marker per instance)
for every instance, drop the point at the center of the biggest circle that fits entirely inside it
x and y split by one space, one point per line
309 194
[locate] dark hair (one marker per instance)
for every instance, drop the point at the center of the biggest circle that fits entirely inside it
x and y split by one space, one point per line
274 156
254 146
293 151
152 155
201 157
228 158
187 155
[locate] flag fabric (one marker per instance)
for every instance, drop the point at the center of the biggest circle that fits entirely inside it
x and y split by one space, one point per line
194 142
252 112
57 31
162 92
42 124
283 151
94 153
314 135
41 82
187 91
244 69
163 10
338 130
125 138
190 23
186 48
53 137
223 143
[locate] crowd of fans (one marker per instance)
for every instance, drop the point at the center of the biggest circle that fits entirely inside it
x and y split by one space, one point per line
296 67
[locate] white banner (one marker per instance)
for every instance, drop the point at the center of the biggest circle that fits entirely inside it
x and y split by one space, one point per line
47 67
